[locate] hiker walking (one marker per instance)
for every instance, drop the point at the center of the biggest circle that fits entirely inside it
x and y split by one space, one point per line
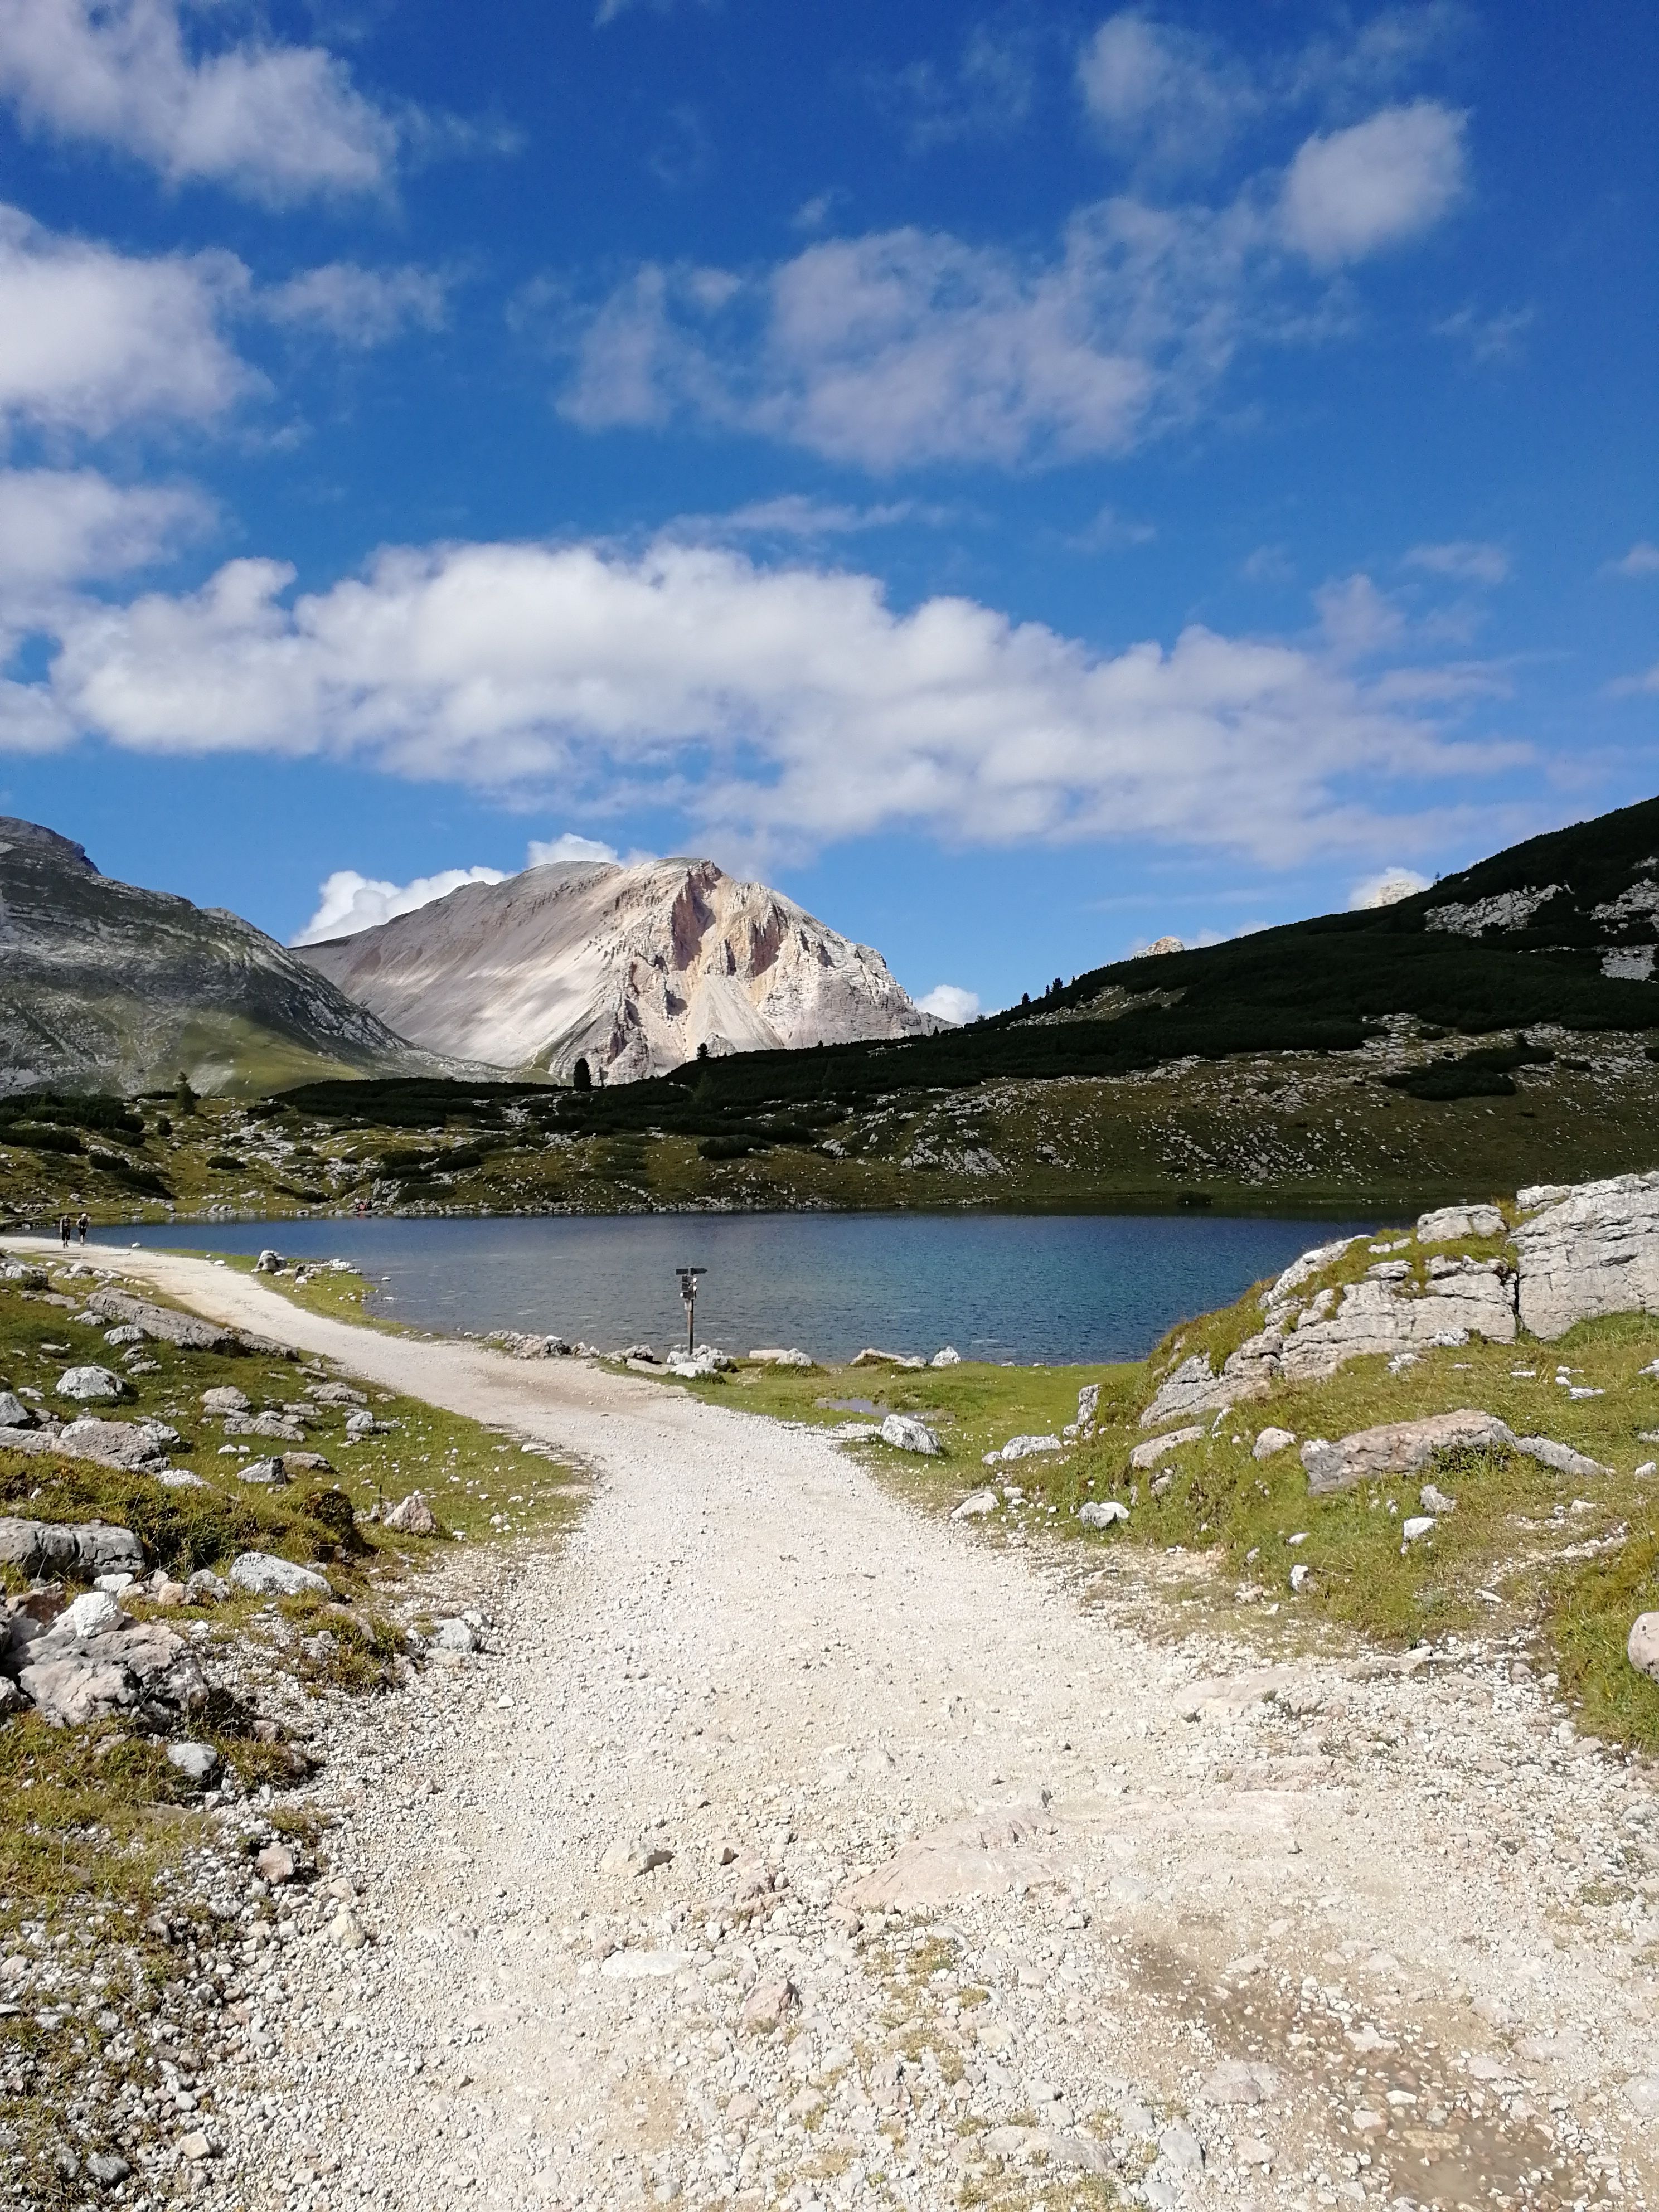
82 1227
64 1231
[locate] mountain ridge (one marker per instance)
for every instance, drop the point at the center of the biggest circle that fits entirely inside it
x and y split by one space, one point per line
108 987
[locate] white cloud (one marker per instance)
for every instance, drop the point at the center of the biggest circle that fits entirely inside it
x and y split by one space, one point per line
775 709
279 124
1642 560
60 526
348 901
550 852
903 348
986 93
1358 620
1353 192
359 307
1387 888
90 338
1465 560
1158 91
951 1003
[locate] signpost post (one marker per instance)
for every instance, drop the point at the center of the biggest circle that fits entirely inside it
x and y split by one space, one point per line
688 1298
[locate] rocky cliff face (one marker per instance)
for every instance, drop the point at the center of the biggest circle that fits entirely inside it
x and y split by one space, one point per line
104 987
631 968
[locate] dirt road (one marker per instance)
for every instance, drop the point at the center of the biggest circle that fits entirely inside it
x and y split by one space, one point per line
791 1845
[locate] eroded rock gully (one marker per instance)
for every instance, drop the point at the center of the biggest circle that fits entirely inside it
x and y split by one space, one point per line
786 1844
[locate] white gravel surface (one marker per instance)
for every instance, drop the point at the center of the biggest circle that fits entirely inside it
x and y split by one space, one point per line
788 1843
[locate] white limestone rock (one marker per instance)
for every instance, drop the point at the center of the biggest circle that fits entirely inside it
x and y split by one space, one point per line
1594 1250
1157 1448
1397 1448
1448 1223
1272 1441
905 1433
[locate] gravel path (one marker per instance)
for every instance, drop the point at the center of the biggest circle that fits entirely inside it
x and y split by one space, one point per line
792 1845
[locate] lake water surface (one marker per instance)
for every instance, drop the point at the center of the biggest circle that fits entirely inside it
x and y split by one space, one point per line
1053 1288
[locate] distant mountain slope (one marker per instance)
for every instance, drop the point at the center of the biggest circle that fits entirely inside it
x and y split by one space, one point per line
104 986
630 969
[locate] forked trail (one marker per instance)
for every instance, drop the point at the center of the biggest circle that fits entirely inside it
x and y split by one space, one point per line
964 1892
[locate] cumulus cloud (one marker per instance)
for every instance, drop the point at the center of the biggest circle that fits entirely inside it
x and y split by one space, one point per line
1355 192
1642 560
278 124
349 902
1160 91
787 707
1387 888
986 92
550 852
90 338
61 526
951 1003
357 306
1467 559
906 347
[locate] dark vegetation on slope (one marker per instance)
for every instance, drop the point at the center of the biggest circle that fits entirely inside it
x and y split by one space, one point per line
1319 986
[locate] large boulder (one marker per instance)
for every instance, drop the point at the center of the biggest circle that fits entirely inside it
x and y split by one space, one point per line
140 1447
1594 1250
164 1323
140 1667
905 1433
14 1413
1397 1448
84 1550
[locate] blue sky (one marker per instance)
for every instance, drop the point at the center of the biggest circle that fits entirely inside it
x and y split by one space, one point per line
1025 481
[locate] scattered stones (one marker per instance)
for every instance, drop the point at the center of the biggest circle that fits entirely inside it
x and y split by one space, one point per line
413 1516
264 1575
205 1588
905 1433
772 1356
89 1384
168 1326
1272 1440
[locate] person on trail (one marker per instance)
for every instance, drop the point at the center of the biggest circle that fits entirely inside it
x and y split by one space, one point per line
82 1227
64 1231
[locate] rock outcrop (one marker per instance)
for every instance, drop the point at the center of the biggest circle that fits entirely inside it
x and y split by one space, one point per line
632 969
110 987
1591 1250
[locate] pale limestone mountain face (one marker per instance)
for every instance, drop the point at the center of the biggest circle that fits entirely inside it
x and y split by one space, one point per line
631 968
104 987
